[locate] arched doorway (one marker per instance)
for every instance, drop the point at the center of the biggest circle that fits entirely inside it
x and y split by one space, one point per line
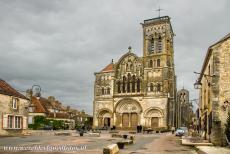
129 110
104 118
153 117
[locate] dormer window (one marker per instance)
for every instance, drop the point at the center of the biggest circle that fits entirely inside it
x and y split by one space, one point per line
15 103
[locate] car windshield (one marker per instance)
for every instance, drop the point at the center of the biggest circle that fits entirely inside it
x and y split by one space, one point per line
183 128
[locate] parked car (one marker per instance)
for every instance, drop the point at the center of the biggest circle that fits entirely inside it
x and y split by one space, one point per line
47 127
181 131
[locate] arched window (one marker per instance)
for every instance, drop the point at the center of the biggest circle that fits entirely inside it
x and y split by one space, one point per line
158 87
123 85
151 87
119 87
128 83
133 83
158 62
108 91
102 91
151 45
138 85
150 63
159 45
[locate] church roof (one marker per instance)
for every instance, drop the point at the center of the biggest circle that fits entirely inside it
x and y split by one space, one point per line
6 89
108 68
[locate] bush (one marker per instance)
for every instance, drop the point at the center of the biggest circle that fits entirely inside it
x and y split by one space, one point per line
227 127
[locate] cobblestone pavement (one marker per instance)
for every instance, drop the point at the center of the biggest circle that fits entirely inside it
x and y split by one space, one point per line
144 144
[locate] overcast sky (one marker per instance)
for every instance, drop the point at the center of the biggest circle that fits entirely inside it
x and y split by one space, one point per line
59 44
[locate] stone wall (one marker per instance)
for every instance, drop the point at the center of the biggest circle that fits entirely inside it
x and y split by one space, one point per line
5 106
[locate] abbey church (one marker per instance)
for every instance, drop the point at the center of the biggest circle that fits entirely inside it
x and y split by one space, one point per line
139 90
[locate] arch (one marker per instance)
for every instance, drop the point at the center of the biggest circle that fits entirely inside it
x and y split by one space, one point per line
104 111
126 55
128 105
150 112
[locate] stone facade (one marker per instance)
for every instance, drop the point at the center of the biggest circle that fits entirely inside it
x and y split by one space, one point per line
184 111
215 91
13 113
139 90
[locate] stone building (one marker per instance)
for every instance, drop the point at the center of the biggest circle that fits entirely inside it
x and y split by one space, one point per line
13 110
214 100
139 90
184 113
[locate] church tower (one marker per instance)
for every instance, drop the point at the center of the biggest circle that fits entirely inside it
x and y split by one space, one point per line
158 58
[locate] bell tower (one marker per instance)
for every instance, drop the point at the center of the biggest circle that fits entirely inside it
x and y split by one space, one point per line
157 36
158 60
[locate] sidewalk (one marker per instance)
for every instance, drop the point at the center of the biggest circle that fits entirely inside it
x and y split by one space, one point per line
213 150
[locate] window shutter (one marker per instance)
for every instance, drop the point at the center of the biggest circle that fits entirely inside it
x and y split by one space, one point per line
24 123
5 121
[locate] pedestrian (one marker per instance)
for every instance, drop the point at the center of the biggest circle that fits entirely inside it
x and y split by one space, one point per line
173 129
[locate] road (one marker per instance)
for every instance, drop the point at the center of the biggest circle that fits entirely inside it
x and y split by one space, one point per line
143 144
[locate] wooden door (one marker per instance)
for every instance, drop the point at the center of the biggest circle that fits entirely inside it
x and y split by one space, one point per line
125 120
154 122
134 119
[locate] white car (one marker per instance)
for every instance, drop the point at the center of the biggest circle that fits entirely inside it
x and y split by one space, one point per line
181 131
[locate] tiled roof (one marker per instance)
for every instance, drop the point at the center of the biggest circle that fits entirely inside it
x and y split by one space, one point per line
6 89
108 68
39 105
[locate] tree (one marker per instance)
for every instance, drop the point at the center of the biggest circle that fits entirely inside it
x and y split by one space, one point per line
227 127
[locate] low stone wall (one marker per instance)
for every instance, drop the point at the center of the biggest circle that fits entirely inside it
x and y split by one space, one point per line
48 132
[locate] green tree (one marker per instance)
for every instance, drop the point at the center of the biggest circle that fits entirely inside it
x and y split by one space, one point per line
227 127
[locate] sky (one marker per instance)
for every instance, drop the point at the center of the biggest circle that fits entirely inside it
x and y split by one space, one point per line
59 44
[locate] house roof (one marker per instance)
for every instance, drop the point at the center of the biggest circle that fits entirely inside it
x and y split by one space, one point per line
209 53
108 68
39 105
6 89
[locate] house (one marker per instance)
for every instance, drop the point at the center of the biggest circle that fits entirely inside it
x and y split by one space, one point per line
50 108
214 86
13 110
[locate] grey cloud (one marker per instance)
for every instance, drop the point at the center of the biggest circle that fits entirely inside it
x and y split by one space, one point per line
59 44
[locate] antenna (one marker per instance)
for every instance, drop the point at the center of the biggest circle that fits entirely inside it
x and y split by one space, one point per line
159 11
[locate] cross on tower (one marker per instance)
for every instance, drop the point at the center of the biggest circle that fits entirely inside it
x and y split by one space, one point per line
159 11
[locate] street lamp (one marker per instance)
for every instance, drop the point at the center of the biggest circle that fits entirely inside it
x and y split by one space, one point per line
37 94
37 90
198 84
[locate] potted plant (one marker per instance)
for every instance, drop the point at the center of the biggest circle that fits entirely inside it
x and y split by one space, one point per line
81 132
125 136
121 145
